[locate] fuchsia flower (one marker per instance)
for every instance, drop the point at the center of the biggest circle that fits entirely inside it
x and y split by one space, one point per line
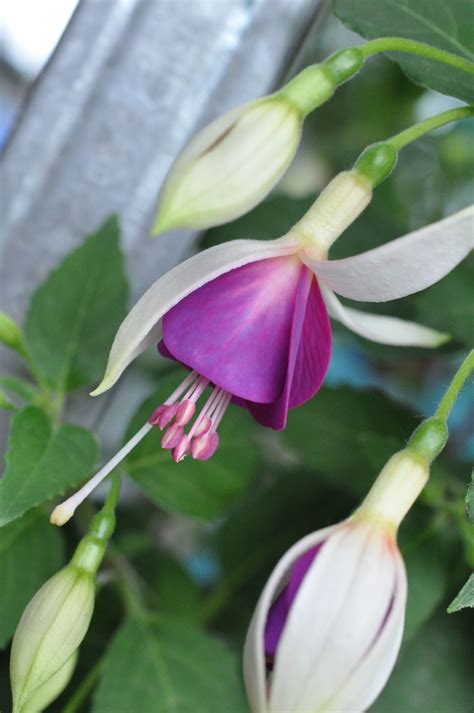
250 318
328 625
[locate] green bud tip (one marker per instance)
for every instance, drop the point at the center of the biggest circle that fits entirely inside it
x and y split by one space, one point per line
344 64
429 439
376 162
10 334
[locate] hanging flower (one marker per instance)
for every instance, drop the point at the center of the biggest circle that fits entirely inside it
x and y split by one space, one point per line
250 318
328 625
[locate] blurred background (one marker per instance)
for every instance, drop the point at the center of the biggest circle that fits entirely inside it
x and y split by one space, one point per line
90 127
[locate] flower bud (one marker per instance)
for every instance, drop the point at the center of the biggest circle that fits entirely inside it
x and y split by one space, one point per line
327 628
230 165
57 618
49 691
50 630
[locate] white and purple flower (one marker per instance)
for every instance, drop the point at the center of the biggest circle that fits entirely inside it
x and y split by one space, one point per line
250 319
327 628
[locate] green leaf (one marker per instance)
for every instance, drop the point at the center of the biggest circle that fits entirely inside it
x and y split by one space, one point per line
31 551
41 463
169 667
348 435
448 305
19 387
465 598
75 313
196 488
447 25
433 672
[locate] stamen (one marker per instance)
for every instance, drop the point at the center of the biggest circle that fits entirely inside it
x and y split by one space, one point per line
204 447
192 376
187 407
163 415
182 449
64 511
206 409
172 436
204 426
220 411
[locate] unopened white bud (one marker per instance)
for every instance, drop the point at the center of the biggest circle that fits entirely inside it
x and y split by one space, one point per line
50 631
230 166
49 691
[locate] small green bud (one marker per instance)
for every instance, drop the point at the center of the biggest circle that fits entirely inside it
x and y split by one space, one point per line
377 162
10 334
49 691
50 630
344 64
429 439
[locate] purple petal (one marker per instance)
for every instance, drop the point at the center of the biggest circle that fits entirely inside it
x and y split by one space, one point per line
237 330
308 356
280 608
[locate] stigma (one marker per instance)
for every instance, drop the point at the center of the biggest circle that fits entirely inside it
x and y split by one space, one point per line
176 414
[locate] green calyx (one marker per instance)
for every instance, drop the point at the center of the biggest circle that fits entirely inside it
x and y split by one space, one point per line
377 162
429 439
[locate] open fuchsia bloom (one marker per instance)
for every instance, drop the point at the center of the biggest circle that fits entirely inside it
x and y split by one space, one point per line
328 625
250 319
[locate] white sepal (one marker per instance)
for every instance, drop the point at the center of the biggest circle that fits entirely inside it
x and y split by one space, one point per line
254 657
230 166
403 266
343 630
142 325
370 677
380 328
335 617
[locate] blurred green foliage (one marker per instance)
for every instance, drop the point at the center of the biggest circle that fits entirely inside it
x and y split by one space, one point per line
195 542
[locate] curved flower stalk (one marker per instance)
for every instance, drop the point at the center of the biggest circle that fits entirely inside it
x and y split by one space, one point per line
328 625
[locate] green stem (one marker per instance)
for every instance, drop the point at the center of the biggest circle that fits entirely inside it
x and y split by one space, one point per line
434 122
429 439
113 494
420 49
452 392
85 687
